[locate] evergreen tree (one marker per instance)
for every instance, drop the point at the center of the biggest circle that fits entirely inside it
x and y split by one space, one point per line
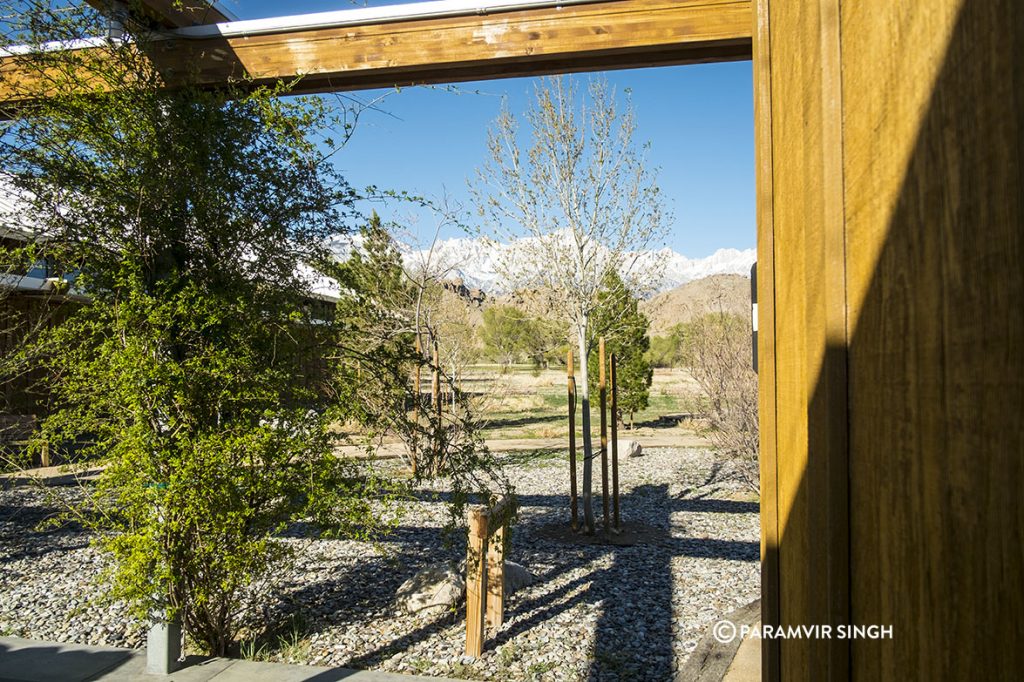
619 320
375 341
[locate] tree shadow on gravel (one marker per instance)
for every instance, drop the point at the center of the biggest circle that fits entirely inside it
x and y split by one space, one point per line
22 537
630 586
634 633
362 592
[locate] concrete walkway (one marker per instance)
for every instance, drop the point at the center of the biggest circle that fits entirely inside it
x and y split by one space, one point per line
746 664
24 660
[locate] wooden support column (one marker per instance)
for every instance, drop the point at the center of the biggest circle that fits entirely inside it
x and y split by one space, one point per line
602 390
573 501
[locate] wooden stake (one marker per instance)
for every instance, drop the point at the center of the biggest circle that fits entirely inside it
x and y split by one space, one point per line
476 583
437 406
416 404
572 441
615 445
603 392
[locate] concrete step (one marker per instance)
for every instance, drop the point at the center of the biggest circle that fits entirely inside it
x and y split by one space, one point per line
24 660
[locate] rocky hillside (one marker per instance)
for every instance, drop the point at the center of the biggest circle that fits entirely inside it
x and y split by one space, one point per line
729 293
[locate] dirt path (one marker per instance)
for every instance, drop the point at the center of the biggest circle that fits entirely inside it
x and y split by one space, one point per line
649 438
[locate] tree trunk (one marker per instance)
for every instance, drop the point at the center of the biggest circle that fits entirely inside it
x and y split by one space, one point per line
588 446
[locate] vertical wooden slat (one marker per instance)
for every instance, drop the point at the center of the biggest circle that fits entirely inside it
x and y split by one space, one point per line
496 577
763 156
807 329
603 392
476 583
571 380
832 383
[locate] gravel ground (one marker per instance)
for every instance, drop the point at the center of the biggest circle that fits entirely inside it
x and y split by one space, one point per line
596 612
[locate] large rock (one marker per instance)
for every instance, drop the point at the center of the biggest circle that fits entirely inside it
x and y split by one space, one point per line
630 448
437 587
440 587
516 577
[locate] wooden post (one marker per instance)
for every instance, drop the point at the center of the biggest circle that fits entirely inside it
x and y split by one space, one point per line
603 392
496 577
436 385
476 582
615 445
485 570
572 441
438 438
416 404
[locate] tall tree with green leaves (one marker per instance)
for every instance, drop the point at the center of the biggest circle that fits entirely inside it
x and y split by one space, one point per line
625 328
191 220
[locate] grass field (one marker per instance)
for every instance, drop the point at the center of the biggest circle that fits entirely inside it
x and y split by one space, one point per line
523 404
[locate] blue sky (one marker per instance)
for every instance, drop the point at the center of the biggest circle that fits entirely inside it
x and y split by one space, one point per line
699 120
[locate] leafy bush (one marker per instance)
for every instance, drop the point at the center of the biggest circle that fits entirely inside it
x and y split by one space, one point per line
194 370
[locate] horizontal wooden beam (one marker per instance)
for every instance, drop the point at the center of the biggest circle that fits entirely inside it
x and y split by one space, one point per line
583 37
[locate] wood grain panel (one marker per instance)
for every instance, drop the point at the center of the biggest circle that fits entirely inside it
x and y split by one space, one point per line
613 34
934 170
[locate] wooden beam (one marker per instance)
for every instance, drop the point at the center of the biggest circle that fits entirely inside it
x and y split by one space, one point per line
171 14
600 35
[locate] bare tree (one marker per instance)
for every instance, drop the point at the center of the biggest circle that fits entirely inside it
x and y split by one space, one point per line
717 351
575 203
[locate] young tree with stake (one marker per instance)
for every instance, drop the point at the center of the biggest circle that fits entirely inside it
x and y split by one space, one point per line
577 202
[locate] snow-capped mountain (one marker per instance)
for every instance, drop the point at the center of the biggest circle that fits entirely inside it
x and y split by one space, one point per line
679 269
476 261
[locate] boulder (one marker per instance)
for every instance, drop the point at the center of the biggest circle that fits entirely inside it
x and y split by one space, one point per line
440 587
437 587
516 577
630 448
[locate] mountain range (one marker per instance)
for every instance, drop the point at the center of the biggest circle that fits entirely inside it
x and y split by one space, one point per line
475 262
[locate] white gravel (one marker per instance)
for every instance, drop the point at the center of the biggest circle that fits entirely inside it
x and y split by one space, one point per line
597 612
